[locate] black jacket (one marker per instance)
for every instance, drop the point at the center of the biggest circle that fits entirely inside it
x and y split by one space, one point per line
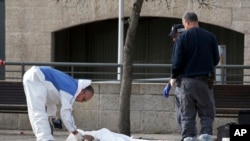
195 53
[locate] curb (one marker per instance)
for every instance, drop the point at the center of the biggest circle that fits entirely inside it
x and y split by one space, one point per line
29 132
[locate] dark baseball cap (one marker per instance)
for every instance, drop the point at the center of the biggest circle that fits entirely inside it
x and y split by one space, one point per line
176 28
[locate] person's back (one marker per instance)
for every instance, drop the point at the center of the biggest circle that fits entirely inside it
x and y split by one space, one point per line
60 80
198 46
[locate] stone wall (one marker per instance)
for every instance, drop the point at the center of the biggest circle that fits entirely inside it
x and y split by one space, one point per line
150 111
30 24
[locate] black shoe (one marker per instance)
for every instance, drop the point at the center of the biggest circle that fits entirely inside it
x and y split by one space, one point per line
57 123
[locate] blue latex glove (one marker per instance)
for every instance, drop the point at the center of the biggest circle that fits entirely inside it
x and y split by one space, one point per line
166 90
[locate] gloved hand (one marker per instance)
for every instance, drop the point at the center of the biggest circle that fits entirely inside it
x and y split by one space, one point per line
78 137
166 90
172 82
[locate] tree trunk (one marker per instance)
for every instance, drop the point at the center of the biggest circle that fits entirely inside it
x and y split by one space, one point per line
126 84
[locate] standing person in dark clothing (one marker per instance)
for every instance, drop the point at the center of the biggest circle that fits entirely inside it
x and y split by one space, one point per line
195 56
176 30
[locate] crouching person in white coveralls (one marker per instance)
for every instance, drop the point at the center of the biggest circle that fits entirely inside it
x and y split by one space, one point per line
46 87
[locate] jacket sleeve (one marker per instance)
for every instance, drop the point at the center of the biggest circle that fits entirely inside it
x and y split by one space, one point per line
66 111
177 58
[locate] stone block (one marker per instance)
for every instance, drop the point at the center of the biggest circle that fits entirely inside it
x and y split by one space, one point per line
247 41
18 12
96 87
21 52
85 10
38 38
9 51
68 3
14 25
135 121
109 102
69 16
14 38
100 8
148 88
135 88
157 122
41 51
152 102
109 119
241 14
223 19
87 119
128 5
46 13
9 121
112 9
238 26
157 103
137 102
21 19
38 3
227 4
244 3
246 52
24 122
17 3
27 3
110 88
51 25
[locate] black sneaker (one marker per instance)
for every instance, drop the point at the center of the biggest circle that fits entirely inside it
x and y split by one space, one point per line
57 123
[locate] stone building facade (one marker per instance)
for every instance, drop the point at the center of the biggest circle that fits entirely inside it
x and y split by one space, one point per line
30 24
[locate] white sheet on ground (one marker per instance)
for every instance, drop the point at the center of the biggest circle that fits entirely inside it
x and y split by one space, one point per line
104 135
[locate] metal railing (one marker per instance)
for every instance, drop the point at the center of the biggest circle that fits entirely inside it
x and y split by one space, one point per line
160 73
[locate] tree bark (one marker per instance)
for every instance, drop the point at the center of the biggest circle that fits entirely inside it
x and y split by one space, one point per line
126 84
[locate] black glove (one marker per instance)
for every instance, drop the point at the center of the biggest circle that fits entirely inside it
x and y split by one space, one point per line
56 122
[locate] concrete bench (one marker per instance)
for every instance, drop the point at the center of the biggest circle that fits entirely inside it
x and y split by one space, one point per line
12 97
230 99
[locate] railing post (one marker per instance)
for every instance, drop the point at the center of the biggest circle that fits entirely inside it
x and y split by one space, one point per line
120 38
223 75
72 70
121 68
23 70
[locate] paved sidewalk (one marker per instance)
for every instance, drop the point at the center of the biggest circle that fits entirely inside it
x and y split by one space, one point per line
20 135
24 135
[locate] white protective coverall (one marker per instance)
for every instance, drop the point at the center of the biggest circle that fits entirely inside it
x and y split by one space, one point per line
44 88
